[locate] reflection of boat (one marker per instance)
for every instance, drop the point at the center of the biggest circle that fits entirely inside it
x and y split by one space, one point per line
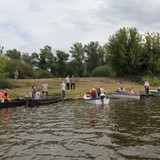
96 101
42 101
125 95
13 103
155 93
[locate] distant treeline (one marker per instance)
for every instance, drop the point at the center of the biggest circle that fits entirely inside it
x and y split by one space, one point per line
126 54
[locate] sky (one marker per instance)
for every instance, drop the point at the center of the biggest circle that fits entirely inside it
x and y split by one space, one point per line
29 25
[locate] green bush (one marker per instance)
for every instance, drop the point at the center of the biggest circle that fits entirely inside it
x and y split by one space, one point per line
42 74
6 83
102 71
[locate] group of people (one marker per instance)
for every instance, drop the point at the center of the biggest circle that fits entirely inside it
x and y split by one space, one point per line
122 89
36 94
70 82
4 95
95 93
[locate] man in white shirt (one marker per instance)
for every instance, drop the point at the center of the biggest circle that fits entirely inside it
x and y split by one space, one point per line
67 82
63 89
146 86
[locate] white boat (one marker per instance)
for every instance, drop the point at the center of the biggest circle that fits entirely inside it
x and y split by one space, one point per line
125 95
96 101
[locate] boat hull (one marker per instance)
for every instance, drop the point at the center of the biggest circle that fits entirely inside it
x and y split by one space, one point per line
123 95
13 103
155 93
96 101
42 101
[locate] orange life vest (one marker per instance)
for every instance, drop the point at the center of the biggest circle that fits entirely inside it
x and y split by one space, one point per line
5 96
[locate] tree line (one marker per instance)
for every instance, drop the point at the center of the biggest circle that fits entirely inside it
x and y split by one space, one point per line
127 53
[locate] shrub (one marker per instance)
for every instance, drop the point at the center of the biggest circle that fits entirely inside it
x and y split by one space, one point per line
42 74
6 83
102 71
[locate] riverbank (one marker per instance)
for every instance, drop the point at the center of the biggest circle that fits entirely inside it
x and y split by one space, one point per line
82 85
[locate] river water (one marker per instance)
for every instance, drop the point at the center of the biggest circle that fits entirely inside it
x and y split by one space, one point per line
74 130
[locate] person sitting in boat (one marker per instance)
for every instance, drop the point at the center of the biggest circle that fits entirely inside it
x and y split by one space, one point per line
5 95
38 94
131 91
93 93
88 93
121 89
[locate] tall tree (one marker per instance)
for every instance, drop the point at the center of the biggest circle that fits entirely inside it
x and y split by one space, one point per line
46 58
77 51
94 55
13 54
125 50
62 58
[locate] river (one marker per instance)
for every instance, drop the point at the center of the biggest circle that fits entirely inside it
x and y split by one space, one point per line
74 130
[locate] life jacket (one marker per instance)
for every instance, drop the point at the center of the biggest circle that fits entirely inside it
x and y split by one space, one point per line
5 96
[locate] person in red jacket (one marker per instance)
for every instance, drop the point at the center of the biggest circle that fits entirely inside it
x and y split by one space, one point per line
5 95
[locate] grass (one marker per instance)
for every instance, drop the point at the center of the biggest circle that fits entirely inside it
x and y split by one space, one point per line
82 85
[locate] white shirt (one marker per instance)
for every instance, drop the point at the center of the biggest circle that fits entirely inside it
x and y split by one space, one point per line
63 86
146 84
45 87
67 80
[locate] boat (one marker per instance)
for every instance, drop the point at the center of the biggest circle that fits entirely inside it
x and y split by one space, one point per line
96 101
42 101
13 103
124 95
155 93
143 94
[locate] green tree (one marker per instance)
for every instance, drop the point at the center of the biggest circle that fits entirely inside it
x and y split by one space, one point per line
125 52
13 54
46 59
77 51
94 56
151 54
62 58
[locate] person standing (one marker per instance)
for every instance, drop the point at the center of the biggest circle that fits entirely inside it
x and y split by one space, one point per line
146 87
63 89
16 73
67 82
45 89
72 80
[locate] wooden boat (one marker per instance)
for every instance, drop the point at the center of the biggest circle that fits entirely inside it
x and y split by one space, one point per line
96 101
13 103
42 101
155 93
125 95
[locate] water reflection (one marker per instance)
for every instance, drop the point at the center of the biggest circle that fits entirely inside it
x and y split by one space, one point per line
75 130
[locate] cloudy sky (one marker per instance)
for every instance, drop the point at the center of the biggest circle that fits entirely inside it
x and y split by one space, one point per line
29 25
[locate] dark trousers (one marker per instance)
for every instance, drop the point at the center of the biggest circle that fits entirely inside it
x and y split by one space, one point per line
67 85
147 90
72 85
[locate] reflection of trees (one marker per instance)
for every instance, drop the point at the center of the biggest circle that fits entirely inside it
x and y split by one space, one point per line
133 120
130 116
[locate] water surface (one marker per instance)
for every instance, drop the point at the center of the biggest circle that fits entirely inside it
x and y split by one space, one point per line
74 130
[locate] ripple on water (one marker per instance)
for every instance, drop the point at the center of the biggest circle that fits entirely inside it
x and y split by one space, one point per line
75 130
